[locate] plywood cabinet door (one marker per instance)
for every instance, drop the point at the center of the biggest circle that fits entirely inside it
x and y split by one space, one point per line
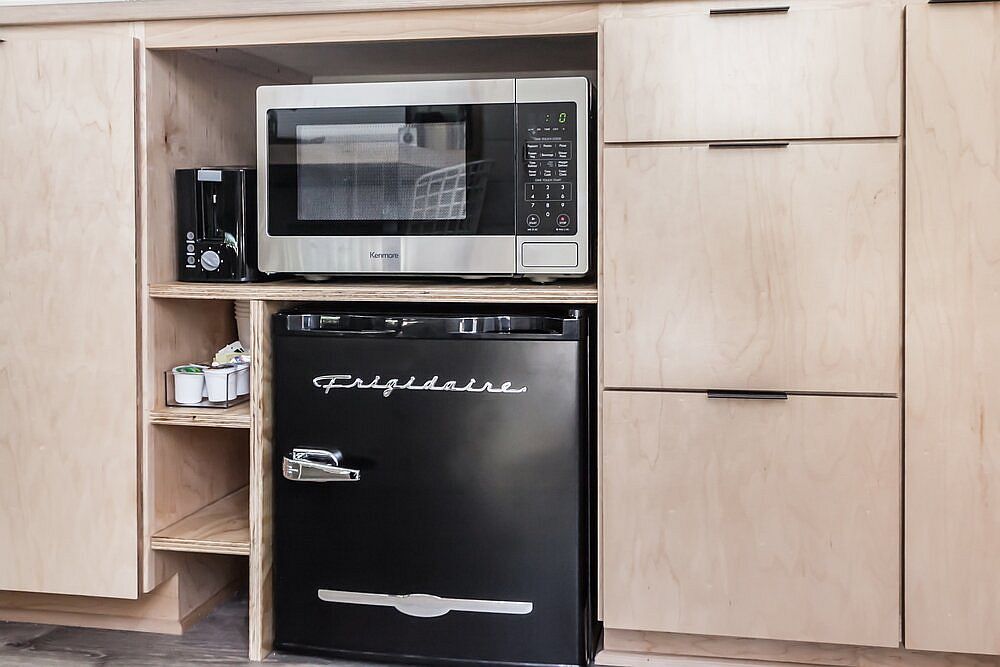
774 519
68 385
774 268
952 551
803 73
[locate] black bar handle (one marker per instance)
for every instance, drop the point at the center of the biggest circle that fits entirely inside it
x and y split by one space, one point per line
954 2
782 9
748 144
750 395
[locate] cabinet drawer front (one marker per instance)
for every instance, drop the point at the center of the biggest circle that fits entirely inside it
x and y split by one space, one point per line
795 74
756 268
771 519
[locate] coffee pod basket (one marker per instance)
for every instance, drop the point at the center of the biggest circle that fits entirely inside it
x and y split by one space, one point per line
200 386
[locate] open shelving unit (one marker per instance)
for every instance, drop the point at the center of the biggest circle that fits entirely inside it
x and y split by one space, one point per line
222 527
207 474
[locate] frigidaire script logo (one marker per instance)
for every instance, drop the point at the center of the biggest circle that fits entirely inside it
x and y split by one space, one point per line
330 382
382 255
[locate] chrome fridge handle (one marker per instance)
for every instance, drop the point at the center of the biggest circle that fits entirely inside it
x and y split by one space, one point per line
317 465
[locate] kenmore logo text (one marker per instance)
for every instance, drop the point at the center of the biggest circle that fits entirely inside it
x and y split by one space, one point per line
383 255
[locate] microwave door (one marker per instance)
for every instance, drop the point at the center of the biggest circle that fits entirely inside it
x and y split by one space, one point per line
353 189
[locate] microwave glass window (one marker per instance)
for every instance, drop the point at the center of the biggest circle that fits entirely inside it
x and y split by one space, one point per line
391 171
383 171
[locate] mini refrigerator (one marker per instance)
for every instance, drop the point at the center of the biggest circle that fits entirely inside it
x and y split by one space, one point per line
434 486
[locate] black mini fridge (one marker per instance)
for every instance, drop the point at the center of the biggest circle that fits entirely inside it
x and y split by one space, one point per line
434 487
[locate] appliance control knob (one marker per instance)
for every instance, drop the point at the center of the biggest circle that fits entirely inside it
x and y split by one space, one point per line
210 260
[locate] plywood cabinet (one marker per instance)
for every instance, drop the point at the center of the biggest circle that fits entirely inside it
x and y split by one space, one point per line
799 73
953 328
752 518
765 267
68 383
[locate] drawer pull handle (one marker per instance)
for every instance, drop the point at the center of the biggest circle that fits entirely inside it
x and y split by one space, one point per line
954 2
783 9
750 395
748 144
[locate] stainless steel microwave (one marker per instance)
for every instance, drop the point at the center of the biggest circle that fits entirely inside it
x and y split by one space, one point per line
480 177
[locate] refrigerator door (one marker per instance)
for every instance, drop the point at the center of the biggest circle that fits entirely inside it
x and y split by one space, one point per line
464 536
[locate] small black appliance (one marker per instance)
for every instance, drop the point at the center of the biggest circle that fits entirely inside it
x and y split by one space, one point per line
217 225
434 487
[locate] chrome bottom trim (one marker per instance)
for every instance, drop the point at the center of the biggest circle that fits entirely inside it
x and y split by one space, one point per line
422 605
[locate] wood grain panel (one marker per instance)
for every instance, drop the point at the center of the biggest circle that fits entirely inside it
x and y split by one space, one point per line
261 482
469 291
762 268
375 26
635 646
953 328
235 417
645 10
625 659
159 10
222 527
769 519
68 378
801 74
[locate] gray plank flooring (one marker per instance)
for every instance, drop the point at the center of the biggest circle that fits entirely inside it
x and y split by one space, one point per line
219 639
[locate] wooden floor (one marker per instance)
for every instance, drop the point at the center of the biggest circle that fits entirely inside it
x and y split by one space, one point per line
219 639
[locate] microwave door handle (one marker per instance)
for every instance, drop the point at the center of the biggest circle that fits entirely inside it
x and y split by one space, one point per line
317 465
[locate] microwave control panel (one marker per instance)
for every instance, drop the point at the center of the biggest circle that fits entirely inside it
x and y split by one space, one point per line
546 202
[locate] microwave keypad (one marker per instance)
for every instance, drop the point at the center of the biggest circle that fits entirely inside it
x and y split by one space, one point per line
547 201
548 191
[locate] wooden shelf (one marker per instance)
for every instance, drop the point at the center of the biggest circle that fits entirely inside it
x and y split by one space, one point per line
456 291
220 528
237 416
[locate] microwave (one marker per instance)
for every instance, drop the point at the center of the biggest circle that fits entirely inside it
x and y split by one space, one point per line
488 177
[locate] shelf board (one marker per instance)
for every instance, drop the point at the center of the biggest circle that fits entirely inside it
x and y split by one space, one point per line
237 416
220 528
454 291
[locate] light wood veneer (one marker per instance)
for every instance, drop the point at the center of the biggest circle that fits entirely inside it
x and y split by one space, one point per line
774 519
444 23
68 394
801 74
753 268
237 416
953 328
261 481
127 10
469 291
223 527
625 648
